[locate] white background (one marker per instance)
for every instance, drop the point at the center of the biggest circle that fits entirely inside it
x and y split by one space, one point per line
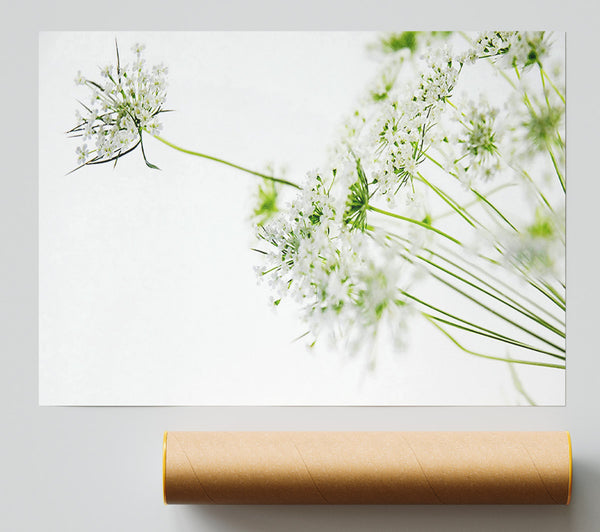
147 288
98 469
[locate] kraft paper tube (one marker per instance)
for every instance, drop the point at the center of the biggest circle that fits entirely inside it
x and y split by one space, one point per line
367 467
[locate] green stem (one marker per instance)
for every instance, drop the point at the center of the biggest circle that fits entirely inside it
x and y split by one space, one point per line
498 314
500 338
479 196
552 296
483 331
529 106
554 291
476 200
545 74
555 164
500 292
489 204
216 159
526 313
447 199
416 222
518 384
526 175
544 90
548 106
511 360
504 287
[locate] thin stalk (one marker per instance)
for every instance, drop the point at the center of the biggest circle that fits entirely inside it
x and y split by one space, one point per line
555 164
447 199
549 107
489 204
506 287
518 384
527 314
498 291
480 329
476 200
545 74
529 105
416 222
498 314
506 340
525 174
222 161
490 357
549 296
479 196
557 300
555 292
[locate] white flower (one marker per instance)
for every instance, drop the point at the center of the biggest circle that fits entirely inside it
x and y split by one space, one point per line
394 133
82 153
492 43
138 48
527 48
317 256
513 48
79 79
478 157
126 104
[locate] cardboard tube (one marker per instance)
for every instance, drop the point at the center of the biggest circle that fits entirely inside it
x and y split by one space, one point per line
367 467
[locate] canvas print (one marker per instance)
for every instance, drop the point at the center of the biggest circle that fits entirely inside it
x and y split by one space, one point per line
302 218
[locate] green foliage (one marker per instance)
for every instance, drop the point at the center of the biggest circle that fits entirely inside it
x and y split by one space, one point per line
398 41
542 227
267 202
543 124
358 201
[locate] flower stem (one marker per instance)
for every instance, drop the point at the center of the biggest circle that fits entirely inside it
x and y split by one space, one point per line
447 199
416 222
523 173
479 196
478 329
519 385
526 313
529 106
498 314
555 164
548 106
495 337
477 200
501 290
222 161
545 74
511 360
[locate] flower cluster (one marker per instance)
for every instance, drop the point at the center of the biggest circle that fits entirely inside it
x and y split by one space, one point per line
540 248
519 49
477 140
124 104
317 256
394 142
354 267
493 43
527 48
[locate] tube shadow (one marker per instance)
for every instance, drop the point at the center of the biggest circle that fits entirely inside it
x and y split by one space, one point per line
582 515
383 518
